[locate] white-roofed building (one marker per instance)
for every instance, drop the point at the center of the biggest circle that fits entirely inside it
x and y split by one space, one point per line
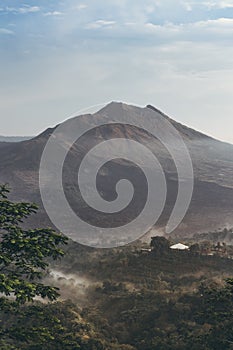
179 246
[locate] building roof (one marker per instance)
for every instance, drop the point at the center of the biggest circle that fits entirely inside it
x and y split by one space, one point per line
179 246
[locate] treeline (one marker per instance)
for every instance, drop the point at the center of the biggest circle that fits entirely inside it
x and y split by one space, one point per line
157 300
138 300
121 317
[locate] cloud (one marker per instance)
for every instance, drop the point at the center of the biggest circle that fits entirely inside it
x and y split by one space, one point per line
219 26
168 27
81 7
149 9
213 31
101 24
218 4
6 31
53 13
29 9
188 6
23 10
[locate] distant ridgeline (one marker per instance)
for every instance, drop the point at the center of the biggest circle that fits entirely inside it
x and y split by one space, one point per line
225 236
14 138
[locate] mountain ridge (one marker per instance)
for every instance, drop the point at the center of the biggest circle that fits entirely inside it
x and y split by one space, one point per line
14 138
212 203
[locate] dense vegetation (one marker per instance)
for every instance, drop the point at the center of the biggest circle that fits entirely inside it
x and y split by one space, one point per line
156 300
137 302
23 252
135 299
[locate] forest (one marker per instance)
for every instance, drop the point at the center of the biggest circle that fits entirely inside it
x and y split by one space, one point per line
132 299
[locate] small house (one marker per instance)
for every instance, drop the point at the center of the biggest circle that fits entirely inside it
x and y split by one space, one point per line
179 246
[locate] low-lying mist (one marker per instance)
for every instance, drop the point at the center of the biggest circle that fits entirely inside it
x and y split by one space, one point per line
71 286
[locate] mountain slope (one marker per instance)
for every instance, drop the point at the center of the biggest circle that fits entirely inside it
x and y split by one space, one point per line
14 138
212 202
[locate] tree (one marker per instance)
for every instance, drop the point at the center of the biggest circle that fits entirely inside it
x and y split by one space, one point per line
24 253
195 248
159 244
52 326
215 310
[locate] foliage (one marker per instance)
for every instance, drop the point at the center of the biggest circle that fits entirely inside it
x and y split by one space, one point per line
139 305
23 253
159 300
195 248
160 244
57 326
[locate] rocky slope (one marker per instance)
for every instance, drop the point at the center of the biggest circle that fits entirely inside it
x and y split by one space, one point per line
212 203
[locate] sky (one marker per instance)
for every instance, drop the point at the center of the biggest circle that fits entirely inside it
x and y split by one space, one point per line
59 57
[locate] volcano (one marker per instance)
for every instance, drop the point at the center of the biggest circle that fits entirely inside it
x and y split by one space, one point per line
212 200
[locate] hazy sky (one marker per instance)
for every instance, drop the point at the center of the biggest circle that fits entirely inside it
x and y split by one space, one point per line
57 57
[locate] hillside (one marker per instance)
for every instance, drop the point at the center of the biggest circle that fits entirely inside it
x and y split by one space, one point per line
212 202
127 299
150 301
14 138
